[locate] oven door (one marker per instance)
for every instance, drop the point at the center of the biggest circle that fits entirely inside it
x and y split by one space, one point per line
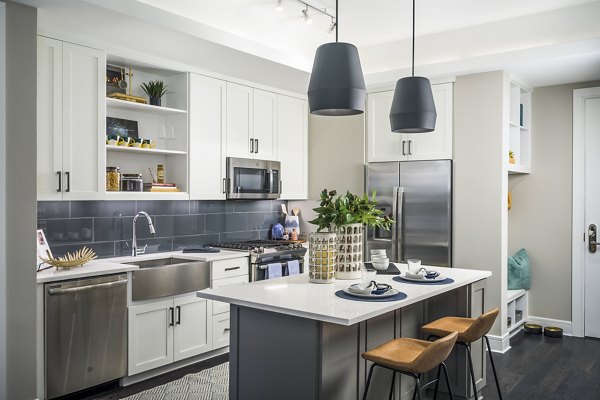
252 179
259 270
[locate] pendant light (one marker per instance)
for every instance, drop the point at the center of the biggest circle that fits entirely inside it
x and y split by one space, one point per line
413 108
337 86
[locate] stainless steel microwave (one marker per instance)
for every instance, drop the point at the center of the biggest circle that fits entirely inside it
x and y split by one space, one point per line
253 179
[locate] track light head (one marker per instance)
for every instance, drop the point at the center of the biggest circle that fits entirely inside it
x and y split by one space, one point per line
279 5
332 27
307 19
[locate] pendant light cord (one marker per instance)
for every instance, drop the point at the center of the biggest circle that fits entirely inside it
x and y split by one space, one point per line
413 41
337 21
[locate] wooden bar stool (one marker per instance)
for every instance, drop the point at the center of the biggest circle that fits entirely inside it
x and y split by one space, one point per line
469 330
412 357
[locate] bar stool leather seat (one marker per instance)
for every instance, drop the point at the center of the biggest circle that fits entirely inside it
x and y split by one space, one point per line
412 357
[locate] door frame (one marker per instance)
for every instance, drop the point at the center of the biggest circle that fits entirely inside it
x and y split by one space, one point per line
579 246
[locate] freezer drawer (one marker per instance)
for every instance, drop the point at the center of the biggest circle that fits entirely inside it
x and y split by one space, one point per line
85 333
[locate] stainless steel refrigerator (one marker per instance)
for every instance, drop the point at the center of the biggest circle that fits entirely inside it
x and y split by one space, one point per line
418 196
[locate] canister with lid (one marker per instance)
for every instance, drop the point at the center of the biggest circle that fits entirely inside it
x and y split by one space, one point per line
132 183
113 179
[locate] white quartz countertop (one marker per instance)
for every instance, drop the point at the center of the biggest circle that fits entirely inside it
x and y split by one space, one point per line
295 295
115 265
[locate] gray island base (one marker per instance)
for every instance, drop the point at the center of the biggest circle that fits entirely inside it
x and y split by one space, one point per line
291 339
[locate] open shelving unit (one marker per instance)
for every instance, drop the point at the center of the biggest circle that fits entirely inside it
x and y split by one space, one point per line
520 128
517 302
165 125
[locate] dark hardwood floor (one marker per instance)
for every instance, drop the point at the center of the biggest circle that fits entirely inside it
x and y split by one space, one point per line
536 368
542 368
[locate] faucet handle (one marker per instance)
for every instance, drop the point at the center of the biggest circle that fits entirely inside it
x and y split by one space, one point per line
141 251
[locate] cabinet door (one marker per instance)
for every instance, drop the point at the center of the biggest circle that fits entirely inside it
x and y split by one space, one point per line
382 143
221 328
239 120
437 144
292 146
49 119
265 124
207 138
84 121
193 327
219 307
150 338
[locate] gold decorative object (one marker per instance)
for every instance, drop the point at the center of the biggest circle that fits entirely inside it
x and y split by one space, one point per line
127 97
72 260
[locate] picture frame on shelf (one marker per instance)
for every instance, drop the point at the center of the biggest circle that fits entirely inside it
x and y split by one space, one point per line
122 127
43 250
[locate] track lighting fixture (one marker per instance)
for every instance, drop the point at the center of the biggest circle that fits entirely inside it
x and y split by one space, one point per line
332 27
307 19
279 5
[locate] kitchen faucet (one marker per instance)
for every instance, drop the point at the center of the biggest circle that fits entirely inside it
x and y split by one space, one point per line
134 249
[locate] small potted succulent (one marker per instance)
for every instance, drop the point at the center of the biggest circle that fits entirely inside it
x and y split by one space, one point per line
155 91
346 215
511 157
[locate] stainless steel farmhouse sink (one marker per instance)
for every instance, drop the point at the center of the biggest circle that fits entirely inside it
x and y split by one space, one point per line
167 277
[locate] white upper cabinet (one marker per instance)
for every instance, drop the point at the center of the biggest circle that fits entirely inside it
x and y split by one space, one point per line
292 146
251 122
207 137
71 121
385 145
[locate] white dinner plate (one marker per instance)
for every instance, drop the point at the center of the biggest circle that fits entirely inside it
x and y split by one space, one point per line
389 293
438 278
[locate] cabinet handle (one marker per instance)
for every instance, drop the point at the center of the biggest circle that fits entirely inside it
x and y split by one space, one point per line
226 329
172 312
403 147
178 315
224 185
256 146
68 174
59 173
232 268
251 145
409 147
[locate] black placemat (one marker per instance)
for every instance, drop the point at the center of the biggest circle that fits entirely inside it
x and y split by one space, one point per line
444 282
392 269
344 295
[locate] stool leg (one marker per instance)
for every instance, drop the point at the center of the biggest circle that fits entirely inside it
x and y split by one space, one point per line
417 387
472 371
437 382
393 383
487 341
368 381
447 381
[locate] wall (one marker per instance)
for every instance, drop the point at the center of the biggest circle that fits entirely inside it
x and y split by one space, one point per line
541 218
3 309
480 180
336 158
106 226
20 206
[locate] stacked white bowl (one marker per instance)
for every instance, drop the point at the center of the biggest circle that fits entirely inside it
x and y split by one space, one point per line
379 259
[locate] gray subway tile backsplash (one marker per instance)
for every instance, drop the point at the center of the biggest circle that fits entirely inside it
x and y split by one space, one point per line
106 226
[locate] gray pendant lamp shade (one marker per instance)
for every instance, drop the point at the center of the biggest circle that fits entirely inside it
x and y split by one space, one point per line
413 109
337 86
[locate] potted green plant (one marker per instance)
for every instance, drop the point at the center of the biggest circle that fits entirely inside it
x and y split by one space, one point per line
347 215
155 91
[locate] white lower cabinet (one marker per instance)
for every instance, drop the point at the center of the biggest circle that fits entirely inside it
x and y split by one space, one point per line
220 330
165 331
219 307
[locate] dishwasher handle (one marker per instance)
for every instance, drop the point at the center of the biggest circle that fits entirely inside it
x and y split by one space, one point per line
58 291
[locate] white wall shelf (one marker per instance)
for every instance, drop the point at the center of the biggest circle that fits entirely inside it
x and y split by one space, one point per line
519 128
137 150
518 169
517 300
139 107
146 196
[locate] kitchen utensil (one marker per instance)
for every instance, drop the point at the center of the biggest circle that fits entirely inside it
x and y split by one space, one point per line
277 231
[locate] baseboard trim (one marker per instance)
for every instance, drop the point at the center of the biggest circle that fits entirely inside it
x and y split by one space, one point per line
566 326
499 344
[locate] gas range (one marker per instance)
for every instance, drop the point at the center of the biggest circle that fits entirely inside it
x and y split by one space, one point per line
265 252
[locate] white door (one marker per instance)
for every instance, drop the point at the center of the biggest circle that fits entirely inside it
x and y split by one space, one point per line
292 147
84 122
193 327
207 138
382 143
240 142
49 119
591 129
437 144
265 126
150 337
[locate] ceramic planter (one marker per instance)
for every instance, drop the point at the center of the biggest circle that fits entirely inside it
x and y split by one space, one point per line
349 257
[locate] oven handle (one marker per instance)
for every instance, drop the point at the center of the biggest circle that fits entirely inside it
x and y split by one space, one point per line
283 263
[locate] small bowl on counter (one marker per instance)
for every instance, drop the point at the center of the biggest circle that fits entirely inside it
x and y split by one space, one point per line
380 264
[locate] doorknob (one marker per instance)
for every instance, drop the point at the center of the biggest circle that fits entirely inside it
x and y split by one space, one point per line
592 230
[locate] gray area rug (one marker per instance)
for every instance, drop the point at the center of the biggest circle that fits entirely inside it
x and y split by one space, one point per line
210 384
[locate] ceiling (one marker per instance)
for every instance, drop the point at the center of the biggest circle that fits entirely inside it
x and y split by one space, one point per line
544 42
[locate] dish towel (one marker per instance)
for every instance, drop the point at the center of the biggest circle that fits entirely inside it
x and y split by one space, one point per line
274 270
293 267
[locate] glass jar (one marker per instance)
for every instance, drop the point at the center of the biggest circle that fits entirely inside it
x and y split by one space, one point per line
132 183
113 179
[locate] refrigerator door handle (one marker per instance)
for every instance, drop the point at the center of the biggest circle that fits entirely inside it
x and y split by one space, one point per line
397 230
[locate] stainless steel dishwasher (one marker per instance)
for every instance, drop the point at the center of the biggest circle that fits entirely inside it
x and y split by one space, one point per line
86 333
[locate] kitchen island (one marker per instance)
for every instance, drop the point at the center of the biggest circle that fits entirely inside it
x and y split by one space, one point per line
291 339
